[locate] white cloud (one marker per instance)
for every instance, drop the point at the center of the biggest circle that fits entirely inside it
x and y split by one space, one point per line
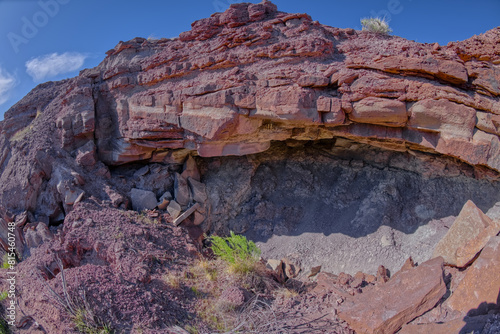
7 83
54 64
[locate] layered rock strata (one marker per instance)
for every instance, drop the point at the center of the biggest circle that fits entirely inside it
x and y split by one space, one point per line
365 147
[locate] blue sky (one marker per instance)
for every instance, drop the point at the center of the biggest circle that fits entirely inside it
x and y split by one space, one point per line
48 40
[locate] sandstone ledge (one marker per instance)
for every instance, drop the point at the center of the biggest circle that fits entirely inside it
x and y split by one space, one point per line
251 75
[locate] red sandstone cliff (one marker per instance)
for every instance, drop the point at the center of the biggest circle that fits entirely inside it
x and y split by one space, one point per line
238 82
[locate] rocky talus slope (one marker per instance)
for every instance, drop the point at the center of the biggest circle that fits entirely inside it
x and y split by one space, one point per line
329 147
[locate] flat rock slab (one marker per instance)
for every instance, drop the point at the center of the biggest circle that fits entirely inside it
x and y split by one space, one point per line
460 325
387 307
376 110
479 290
449 118
467 253
186 214
462 235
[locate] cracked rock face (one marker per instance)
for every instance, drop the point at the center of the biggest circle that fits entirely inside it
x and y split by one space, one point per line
241 79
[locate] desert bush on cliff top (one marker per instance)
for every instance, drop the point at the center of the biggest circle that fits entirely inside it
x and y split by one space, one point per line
376 25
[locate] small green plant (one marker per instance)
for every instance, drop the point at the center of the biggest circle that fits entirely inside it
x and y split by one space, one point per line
85 323
8 262
191 329
196 292
5 262
144 218
376 25
3 295
4 327
235 250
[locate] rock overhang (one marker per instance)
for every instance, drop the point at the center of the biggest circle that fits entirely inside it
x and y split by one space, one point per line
241 80
251 75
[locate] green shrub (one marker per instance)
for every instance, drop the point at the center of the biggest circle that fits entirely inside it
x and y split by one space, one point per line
236 250
377 25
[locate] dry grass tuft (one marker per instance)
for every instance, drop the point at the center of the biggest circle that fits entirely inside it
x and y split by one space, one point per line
77 307
376 25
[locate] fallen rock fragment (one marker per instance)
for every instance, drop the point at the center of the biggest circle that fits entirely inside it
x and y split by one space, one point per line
344 279
479 290
370 279
141 171
314 271
292 270
36 236
73 196
382 274
164 200
174 209
285 269
78 179
181 190
408 264
469 233
186 214
273 264
460 325
467 253
385 308
326 283
326 279
198 190
191 169
86 155
199 218
142 199
358 280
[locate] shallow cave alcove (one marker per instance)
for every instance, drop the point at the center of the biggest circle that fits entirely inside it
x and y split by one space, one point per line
340 204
